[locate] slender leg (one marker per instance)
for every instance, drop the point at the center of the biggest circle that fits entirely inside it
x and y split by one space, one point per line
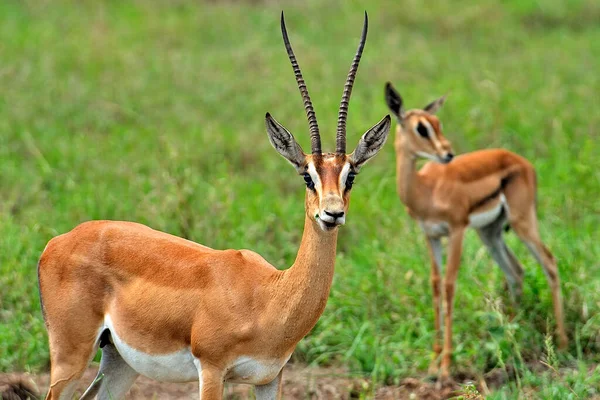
435 253
454 253
68 361
270 391
114 378
527 231
517 269
491 236
64 388
520 194
211 382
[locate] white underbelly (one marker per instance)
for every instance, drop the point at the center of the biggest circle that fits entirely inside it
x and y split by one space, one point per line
486 217
179 366
438 229
182 366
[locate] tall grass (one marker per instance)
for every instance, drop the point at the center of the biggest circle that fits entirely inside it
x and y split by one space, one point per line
153 113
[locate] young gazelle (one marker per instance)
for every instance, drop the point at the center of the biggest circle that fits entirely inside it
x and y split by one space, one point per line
174 310
485 190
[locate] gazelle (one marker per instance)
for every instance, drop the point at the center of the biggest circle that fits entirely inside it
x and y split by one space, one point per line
485 190
174 310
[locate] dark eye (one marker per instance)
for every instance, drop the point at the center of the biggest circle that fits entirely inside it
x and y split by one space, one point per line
422 130
350 180
309 182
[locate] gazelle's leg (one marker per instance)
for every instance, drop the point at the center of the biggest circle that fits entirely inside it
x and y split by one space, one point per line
114 378
527 230
210 381
455 242
270 391
435 253
517 269
520 195
68 361
492 238
73 341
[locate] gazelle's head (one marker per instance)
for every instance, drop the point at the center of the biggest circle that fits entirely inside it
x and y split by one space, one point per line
420 130
328 176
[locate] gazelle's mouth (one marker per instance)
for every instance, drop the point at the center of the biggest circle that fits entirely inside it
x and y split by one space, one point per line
328 226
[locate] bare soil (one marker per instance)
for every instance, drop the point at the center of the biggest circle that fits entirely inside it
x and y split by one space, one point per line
300 383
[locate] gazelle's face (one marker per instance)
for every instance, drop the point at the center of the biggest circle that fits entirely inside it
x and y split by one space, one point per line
420 129
328 177
424 133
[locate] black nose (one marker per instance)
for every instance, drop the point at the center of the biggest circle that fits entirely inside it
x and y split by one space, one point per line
335 214
449 157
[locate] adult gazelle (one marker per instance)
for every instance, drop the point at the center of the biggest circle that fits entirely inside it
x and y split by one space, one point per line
177 311
484 190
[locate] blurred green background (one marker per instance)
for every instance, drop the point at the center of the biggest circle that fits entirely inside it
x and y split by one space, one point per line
154 112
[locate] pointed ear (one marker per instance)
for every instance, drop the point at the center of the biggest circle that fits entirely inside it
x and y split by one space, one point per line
394 100
371 142
285 144
434 106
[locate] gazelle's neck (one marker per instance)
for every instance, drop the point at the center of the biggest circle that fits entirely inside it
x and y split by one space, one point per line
410 186
306 284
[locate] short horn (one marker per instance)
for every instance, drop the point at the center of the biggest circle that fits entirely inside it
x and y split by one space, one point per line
315 138
343 112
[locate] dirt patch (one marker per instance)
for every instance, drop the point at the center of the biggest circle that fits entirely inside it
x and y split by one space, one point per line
300 383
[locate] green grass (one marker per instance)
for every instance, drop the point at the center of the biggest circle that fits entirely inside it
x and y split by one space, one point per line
154 113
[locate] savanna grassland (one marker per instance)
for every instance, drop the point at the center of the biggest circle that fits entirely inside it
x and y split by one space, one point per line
154 113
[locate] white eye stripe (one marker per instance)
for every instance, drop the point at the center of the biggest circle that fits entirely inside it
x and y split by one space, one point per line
344 176
430 133
312 171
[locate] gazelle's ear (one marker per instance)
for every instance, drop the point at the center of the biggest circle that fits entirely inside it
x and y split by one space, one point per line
434 106
285 144
394 101
371 142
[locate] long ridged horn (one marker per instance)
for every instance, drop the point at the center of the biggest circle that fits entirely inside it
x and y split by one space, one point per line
343 112
315 138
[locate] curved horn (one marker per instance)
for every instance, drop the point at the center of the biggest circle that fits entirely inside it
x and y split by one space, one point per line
315 138
343 112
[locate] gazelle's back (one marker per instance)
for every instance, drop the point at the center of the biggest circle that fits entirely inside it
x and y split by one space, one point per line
130 247
138 267
477 165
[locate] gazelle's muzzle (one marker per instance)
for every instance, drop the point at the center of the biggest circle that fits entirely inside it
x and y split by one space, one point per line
447 157
331 213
